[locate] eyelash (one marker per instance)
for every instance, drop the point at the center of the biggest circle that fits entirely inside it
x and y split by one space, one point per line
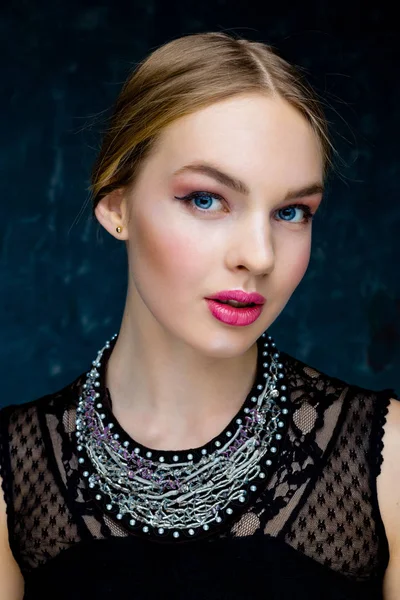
308 214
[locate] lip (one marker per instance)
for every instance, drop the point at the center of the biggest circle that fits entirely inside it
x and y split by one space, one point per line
239 296
230 315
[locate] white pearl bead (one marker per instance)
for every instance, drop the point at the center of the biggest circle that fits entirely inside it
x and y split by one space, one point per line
176 534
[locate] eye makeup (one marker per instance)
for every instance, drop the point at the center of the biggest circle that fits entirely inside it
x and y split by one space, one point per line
194 196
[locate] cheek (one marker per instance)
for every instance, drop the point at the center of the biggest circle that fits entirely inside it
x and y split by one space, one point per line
294 263
169 255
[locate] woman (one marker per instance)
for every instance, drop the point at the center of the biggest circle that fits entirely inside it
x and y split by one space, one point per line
193 459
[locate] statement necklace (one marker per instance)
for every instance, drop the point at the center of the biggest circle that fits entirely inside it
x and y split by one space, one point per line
179 495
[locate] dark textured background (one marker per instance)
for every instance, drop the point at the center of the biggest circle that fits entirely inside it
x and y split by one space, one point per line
63 278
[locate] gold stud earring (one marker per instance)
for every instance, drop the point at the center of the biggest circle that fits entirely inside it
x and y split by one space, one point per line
118 229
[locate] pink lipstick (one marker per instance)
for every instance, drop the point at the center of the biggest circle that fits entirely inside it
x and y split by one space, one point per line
236 307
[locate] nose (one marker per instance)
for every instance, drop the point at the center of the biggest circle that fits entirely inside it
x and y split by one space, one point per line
252 245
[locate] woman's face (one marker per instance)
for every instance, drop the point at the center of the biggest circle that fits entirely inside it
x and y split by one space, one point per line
251 239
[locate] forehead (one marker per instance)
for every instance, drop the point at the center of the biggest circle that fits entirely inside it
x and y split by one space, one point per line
253 135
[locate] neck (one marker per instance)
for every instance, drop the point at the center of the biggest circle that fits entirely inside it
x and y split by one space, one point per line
168 395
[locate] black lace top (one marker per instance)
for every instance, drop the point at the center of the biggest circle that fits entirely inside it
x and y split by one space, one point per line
313 531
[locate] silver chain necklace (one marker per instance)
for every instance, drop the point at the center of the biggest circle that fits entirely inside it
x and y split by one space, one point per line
183 494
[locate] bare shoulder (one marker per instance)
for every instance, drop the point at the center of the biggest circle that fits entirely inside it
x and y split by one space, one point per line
11 580
388 489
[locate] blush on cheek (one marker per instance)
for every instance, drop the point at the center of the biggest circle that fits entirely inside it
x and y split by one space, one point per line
296 264
302 264
169 254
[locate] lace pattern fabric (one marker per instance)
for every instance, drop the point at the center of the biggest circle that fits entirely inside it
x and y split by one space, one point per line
320 500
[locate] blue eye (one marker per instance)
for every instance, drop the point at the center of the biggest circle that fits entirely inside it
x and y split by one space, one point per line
203 202
203 198
308 215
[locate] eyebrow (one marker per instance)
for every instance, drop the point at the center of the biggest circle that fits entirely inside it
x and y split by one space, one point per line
239 186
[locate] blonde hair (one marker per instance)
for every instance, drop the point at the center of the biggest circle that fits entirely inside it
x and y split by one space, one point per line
182 76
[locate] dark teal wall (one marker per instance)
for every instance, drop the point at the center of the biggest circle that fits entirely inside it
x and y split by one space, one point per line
62 280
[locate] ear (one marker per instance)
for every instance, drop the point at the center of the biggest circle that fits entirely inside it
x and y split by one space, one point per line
111 212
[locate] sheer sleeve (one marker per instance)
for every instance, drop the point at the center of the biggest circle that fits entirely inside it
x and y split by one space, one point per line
7 476
377 430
